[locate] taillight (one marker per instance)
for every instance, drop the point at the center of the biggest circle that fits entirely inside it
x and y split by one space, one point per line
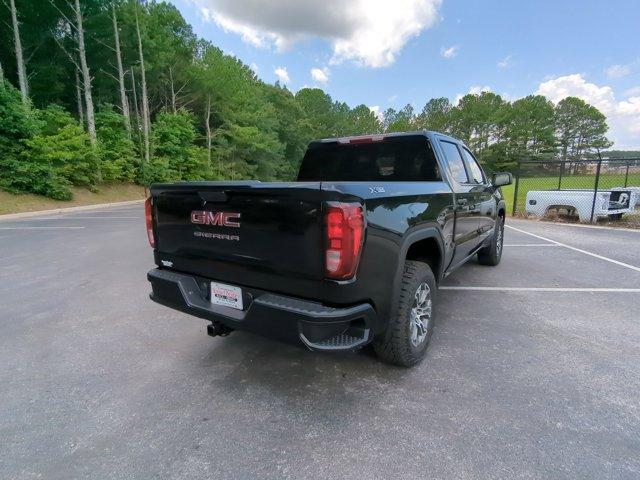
148 215
344 227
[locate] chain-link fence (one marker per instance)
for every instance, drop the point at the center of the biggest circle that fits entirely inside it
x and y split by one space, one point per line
600 190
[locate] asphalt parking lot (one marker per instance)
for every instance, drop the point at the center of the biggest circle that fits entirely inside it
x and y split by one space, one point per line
533 370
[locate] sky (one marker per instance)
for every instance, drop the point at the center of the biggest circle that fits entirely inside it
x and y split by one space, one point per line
388 53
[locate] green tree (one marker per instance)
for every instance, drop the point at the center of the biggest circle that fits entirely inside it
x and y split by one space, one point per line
115 148
293 128
530 126
175 156
580 128
252 128
212 117
169 49
53 118
247 152
436 115
362 121
68 152
341 114
19 172
46 64
317 106
221 83
399 121
17 123
480 121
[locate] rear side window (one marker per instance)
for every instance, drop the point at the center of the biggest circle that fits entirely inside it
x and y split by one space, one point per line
474 168
454 161
394 159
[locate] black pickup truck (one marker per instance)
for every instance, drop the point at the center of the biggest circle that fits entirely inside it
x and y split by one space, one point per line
349 254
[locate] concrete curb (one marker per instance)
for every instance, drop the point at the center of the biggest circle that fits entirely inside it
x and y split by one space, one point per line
81 208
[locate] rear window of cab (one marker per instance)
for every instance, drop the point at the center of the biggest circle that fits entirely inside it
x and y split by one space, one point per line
399 159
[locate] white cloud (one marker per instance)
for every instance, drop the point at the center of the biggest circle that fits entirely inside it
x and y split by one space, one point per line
248 34
477 90
206 14
576 86
505 62
623 116
474 90
617 71
375 109
449 52
283 75
369 32
509 97
254 67
320 75
632 92
631 106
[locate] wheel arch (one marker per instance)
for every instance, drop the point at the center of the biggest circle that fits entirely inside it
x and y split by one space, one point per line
424 245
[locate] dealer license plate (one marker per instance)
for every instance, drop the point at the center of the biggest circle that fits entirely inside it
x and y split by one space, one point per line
226 295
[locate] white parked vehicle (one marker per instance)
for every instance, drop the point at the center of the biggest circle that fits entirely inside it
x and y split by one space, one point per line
609 203
635 190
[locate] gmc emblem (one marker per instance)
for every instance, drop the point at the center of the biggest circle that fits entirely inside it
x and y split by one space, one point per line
221 219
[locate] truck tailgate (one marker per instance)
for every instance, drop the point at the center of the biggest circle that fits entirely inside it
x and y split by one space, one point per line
261 235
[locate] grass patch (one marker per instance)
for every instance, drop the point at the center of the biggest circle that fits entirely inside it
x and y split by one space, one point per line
11 203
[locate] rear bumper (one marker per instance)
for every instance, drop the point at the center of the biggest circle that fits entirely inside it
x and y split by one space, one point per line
317 326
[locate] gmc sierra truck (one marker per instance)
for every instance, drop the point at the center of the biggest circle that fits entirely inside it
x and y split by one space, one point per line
349 254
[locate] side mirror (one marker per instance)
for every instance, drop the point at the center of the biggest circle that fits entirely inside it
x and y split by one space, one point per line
501 179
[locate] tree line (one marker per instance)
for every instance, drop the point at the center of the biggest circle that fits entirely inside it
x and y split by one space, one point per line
100 91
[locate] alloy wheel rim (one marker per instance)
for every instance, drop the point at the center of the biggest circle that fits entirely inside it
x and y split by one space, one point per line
499 239
420 315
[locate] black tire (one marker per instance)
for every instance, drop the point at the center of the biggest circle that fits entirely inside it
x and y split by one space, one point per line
404 342
492 253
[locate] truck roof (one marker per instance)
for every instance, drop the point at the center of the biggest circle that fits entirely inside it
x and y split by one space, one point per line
382 136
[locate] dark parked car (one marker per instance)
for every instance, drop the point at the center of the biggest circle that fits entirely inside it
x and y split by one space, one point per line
351 253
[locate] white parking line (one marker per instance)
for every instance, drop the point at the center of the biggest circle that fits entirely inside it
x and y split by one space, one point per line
581 225
38 228
530 245
601 257
545 289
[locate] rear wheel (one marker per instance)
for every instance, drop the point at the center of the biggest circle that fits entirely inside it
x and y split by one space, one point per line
492 253
408 333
